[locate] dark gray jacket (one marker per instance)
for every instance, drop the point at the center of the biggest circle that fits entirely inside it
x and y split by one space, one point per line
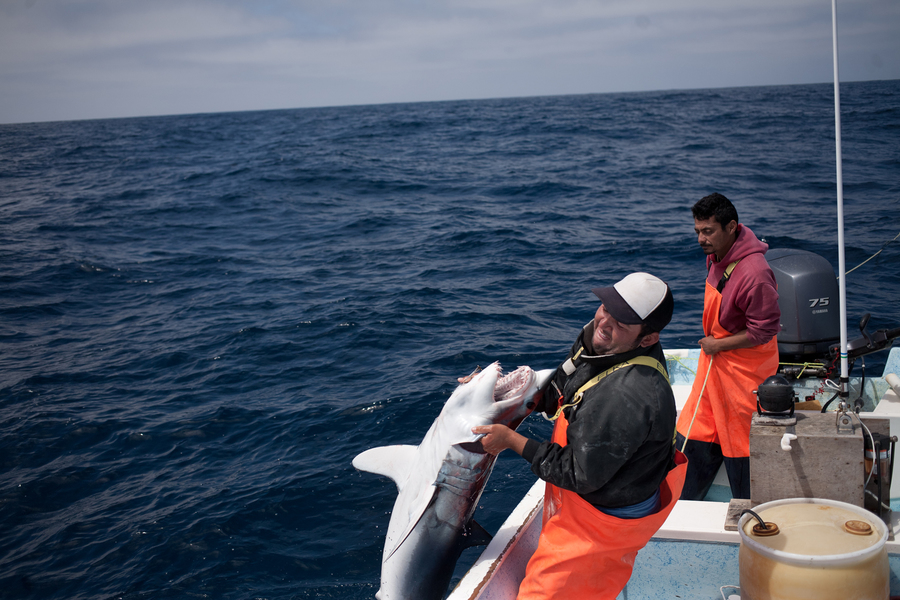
620 437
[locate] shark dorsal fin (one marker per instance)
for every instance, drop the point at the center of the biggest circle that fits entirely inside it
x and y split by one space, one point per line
391 461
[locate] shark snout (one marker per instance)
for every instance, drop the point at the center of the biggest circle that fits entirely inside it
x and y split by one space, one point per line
543 377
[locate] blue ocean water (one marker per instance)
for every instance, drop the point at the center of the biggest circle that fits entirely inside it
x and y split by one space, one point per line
204 318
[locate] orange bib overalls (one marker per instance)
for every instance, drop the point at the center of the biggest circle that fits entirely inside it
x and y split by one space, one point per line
585 553
728 403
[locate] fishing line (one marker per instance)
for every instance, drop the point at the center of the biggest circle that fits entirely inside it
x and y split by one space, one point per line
681 362
883 246
697 405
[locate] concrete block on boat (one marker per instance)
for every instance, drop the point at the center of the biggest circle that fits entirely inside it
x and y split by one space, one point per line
820 462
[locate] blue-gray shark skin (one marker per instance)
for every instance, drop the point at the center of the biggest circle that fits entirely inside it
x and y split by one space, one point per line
440 481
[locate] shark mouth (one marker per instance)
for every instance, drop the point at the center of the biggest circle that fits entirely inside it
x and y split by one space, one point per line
512 384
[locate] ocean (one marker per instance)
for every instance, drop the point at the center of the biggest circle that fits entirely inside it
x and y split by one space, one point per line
204 318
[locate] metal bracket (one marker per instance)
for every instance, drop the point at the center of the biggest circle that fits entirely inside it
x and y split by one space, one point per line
844 423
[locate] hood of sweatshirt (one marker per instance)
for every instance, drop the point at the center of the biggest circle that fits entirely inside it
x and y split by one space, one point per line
744 245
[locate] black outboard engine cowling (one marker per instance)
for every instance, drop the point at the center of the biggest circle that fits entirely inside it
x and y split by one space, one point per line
809 299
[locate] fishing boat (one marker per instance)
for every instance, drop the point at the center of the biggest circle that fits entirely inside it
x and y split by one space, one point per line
695 554
835 444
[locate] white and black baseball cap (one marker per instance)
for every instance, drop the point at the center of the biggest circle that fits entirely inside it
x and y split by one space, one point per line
639 298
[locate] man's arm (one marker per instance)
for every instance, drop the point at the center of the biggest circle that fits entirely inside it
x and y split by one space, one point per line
752 302
712 346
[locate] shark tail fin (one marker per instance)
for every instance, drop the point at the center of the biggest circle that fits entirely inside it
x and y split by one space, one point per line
391 461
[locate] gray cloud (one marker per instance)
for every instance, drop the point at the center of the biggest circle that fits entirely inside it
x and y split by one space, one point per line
72 59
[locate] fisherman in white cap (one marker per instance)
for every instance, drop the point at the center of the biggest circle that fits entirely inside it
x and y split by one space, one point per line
613 473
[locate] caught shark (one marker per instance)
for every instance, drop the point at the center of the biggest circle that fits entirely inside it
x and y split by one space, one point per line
440 481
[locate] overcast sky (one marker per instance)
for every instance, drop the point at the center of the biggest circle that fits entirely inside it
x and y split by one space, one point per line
78 59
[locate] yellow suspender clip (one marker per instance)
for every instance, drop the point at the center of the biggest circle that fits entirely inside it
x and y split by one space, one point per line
726 276
647 361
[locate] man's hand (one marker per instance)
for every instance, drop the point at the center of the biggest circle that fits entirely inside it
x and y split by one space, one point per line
498 438
712 346
709 345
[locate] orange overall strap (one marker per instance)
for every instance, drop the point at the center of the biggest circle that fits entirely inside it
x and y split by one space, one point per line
728 403
585 553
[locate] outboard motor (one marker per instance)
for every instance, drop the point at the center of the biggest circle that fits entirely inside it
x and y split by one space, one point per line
809 299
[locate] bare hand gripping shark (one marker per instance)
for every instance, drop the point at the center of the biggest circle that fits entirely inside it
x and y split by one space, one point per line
440 481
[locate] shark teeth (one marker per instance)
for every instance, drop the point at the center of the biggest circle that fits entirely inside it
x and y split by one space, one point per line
508 386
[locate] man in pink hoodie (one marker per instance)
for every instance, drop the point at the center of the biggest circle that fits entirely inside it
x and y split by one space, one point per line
739 351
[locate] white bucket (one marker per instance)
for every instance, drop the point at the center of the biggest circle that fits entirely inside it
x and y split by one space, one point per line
818 554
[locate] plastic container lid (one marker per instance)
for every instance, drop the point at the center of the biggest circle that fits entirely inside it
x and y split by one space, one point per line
815 531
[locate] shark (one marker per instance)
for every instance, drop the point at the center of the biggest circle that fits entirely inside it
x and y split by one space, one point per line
440 481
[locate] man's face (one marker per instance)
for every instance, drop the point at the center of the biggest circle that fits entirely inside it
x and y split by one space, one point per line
713 238
612 337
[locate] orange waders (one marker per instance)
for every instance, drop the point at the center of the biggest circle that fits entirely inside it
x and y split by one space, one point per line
728 403
584 553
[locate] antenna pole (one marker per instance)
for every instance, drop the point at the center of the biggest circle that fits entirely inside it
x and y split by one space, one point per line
842 269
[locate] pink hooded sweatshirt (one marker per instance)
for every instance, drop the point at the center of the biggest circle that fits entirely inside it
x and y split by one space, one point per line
750 297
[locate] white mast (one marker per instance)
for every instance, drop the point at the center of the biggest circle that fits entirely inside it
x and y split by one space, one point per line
842 270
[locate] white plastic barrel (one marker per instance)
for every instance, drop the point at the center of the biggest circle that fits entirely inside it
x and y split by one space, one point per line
824 550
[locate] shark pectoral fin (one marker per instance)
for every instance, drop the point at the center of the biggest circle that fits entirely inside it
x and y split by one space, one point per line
415 509
475 536
390 461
